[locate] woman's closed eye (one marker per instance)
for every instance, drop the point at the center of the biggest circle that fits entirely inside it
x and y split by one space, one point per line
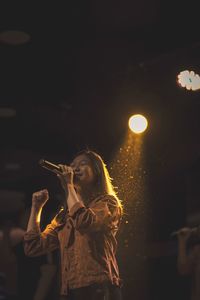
83 163
79 164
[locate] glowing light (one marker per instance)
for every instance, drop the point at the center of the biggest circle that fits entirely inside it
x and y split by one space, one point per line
138 123
128 166
14 37
189 80
7 112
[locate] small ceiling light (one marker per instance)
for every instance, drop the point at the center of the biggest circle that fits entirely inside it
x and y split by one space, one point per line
6 112
14 37
12 166
189 80
138 123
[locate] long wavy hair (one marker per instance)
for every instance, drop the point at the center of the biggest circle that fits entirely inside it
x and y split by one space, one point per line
103 184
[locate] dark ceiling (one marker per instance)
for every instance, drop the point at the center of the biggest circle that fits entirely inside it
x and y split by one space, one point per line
87 67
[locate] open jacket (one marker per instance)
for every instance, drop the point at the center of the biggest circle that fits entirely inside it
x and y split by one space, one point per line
86 239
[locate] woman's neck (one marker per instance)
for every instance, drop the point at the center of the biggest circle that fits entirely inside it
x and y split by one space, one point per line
87 194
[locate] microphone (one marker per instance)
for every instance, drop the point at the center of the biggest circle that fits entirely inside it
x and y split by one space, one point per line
49 165
193 231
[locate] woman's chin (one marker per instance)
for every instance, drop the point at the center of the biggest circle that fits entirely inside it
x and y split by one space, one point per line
78 183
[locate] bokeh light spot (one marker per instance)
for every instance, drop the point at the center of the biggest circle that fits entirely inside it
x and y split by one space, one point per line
138 123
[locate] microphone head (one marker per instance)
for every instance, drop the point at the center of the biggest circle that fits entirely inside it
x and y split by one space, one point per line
174 234
49 165
41 162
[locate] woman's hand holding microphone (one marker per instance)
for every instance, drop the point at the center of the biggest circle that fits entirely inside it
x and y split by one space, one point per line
66 177
184 234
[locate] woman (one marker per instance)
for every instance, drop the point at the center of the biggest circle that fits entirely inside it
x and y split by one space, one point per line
84 232
188 261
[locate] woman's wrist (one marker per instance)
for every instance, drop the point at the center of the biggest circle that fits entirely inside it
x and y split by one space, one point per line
35 208
182 243
70 186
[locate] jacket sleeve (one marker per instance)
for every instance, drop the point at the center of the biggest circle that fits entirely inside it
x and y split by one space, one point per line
37 243
103 215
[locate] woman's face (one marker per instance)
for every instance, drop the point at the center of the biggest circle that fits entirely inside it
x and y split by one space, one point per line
83 172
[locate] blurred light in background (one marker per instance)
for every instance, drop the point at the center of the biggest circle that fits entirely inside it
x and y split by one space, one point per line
14 37
189 80
7 112
138 123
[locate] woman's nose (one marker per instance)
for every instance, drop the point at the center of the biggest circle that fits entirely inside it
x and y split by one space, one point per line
76 169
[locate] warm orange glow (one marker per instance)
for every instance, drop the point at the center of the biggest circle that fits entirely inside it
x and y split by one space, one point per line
138 123
129 174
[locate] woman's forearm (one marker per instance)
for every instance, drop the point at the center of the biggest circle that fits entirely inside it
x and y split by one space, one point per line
34 219
72 197
182 255
183 260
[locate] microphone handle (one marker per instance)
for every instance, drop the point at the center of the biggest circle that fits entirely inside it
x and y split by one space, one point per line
175 233
49 165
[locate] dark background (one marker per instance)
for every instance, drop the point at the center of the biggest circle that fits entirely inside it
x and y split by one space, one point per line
85 68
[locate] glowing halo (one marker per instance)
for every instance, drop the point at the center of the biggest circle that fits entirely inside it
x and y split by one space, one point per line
137 123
